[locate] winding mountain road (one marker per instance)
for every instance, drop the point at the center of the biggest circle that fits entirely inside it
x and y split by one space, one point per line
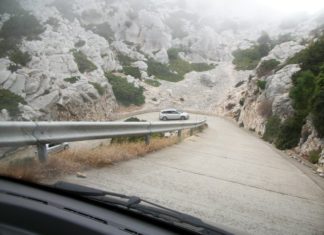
226 176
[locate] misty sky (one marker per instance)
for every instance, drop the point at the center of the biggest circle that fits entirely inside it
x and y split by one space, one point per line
255 8
294 6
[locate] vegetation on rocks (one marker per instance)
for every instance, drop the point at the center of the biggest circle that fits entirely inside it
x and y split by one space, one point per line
177 67
314 156
261 84
289 133
153 82
129 139
272 129
162 71
308 90
80 43
104 30
84 64
124 60
13 67
307 96
133 71
19 57
125 92
19 26
72 80
98 87
10 102
266 67
248 59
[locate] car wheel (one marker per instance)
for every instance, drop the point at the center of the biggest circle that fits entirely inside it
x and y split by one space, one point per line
183 118
164 118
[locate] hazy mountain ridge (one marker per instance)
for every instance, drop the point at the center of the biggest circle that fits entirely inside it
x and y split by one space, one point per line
108 34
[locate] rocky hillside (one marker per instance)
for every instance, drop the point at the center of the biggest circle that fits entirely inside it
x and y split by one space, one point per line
85 59
282 101
63 60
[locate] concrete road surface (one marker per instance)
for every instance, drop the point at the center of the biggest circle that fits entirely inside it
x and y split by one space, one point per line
225 175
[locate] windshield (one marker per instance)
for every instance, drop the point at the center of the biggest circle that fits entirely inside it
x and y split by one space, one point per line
210 108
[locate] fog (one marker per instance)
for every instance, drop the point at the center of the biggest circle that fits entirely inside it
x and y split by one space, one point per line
251 9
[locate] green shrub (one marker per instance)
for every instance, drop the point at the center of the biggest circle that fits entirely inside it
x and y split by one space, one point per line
72 80
302 92
98 87
261 84
272 129
133 71
176 69
23 25
318 113
264 39
242 100
289 133
84 64
19 57
13 67
284 38
247 59
173 53
201 67
10 101
7 45
104 30
311 58
314 156
162 71
153 82
240 83
80 43
307 94
182 67
131 139
266 67
124 59
125 92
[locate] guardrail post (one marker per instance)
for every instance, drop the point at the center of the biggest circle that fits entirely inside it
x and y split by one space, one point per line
42 152
147 139
179 133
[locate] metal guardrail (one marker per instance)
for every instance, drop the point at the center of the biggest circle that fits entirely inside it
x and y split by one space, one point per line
42 133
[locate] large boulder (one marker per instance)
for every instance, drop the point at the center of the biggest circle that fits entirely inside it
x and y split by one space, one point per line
46 102
280 82
284 51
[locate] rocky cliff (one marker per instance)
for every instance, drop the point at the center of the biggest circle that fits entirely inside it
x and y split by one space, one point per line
267 103
82 60
111 36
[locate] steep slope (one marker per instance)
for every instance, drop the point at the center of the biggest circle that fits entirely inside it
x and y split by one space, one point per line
282 100
57 62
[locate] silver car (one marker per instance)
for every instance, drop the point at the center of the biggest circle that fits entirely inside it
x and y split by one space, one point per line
173 114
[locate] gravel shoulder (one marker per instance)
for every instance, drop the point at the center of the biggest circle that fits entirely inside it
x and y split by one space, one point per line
226 176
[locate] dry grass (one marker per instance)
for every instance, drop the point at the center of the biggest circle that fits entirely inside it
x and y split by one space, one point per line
70 162
265 108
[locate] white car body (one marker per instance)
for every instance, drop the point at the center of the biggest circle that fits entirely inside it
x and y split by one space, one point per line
173 114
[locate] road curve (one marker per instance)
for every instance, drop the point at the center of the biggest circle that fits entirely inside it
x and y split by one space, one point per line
225 175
